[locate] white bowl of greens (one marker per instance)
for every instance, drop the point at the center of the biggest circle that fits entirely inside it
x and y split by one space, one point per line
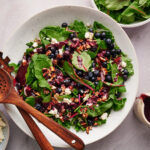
128 13
16 46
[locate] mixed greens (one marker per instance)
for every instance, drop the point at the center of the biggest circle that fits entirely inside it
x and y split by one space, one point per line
74 74
125 11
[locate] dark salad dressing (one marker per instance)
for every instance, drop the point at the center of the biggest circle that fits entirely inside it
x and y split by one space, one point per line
146 100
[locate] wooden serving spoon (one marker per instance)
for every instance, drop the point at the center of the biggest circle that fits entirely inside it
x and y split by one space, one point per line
37 133
9 95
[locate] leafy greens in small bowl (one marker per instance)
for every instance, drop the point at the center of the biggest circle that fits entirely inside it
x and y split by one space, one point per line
129 13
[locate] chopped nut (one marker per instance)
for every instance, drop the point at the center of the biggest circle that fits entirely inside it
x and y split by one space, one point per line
46 91
85 115
83 123
95 124
87 130
76 100
96 93
52 68
55 61
48 52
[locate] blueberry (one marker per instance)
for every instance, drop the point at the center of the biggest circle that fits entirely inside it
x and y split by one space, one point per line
19 62
78 85
93 64
72 35
67 82
66 54
108 78
111 46
81 91
67 48
103 35
113 52
93 78
38 106
125 77
104 64
118 94
125 72
64 25
96 83
93 49
97 35
86 77
96 73
90 30
53 49
90 74
118 51
79 73
107 54
114 55
90 122
58 90
51 56
108 41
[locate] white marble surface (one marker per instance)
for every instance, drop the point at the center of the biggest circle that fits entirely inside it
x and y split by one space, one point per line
131 135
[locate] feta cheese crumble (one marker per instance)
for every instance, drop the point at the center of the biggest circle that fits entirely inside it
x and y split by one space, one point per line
67 91
104 116
60 51
35 44
123 64
89 35
54 41
67 100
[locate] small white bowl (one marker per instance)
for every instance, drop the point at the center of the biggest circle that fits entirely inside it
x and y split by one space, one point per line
139 109
5 132
132 25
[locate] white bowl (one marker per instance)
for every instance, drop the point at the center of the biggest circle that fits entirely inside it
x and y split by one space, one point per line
5 130
15 48
132 25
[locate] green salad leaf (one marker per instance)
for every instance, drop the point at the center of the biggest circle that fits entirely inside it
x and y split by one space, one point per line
34 71
30 100
79 27
15 66
60 34
81 61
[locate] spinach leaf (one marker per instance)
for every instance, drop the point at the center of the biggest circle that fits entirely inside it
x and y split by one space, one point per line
15 66
29 50
118 104
30 100
129 65
115 76
34 71
99 86
60 34
81 61
80 28
116 4
99 110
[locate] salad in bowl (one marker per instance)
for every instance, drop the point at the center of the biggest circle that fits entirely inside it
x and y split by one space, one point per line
74 74
129 13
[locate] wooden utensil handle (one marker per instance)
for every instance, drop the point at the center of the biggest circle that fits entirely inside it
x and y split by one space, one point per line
39 136
65 134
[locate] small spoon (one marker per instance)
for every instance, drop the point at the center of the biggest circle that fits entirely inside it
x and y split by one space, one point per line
9 95
142 108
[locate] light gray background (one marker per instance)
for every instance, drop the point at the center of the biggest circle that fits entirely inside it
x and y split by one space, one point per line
131 135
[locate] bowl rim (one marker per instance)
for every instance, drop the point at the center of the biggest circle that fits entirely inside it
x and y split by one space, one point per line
2 115
132 25
83 7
